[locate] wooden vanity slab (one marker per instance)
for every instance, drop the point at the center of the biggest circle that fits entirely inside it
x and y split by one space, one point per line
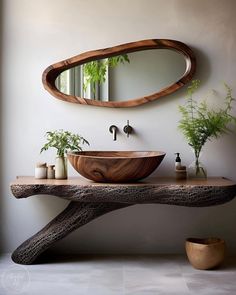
89 200
191 192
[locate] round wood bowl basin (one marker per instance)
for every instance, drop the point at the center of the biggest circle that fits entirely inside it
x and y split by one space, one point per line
115 166
205 253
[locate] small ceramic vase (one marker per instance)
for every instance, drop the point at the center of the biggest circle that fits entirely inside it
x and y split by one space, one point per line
40 171
61 168
51 172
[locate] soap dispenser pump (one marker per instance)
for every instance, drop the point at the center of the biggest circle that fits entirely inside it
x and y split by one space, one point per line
177 160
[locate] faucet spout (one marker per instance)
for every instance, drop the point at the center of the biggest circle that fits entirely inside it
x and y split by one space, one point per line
113 129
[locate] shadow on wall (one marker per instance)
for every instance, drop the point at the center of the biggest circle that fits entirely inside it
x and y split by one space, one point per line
1 123
203 69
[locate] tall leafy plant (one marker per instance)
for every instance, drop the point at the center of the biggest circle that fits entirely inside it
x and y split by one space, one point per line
200 122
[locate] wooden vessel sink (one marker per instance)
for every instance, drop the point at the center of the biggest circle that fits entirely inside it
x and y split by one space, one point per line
115 166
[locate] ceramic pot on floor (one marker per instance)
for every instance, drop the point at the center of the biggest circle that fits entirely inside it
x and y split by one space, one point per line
205 253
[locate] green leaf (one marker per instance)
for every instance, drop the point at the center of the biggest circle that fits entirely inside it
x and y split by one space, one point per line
63 141
200 123
95 71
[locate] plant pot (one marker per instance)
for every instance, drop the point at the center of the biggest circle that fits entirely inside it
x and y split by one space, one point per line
61 168
205 253
196 169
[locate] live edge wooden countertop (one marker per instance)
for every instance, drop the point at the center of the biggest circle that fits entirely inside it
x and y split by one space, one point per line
89 200
190 192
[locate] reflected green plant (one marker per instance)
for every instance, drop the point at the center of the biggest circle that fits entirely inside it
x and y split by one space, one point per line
95 71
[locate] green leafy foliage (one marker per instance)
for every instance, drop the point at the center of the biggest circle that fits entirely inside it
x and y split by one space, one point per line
95 71
63 141
201 123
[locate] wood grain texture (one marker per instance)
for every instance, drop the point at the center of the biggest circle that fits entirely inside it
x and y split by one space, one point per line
90 200
205 253
115 166
191 193
53 71
73 217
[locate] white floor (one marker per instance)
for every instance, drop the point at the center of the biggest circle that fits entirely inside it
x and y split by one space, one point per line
113 275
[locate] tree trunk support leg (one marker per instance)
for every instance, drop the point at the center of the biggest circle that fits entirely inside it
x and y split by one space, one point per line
75 215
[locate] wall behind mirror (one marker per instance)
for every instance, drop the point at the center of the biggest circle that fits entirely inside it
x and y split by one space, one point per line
143 72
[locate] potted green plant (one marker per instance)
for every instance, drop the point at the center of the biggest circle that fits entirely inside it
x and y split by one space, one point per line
63 141
200 123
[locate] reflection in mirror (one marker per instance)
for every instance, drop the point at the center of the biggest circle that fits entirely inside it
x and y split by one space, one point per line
75 82
146 71
123 77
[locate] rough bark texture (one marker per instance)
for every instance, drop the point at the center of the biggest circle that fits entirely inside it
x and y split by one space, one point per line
90 200
74 216
181 195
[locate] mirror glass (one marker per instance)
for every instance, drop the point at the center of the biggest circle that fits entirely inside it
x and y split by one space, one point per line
123 77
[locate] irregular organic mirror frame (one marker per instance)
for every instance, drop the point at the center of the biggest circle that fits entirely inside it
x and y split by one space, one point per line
53 71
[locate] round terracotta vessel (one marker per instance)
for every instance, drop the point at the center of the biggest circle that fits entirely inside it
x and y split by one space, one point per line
205 253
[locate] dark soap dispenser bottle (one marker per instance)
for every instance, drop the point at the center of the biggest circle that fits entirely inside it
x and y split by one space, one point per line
177 161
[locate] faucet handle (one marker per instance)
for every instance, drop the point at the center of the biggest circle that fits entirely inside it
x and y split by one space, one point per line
113 129
128 129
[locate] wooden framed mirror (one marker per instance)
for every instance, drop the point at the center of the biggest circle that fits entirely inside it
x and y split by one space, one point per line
126 75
